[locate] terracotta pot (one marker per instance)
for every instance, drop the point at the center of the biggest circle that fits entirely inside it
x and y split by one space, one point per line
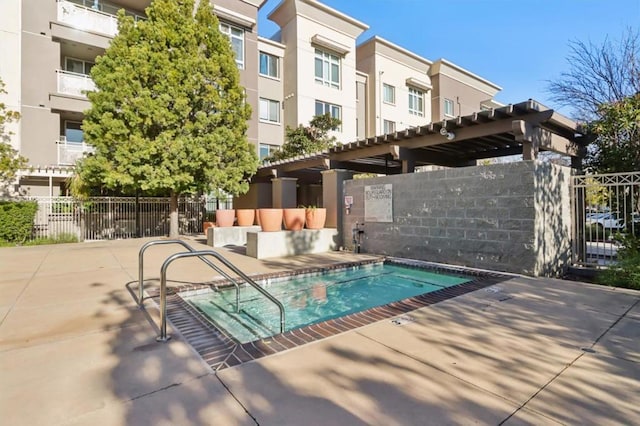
293 219
207 225
245 216
258 217
315 218
270 219
225 218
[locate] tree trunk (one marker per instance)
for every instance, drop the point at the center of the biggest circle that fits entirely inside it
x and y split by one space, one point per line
173 216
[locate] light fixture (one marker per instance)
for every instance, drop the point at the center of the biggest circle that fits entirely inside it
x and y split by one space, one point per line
444 131
451 136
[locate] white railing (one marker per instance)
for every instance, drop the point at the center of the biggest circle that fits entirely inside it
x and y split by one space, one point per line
72 83
86 18
70 152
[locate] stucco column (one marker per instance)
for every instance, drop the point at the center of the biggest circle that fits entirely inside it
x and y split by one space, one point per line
283 192
333 200
258 197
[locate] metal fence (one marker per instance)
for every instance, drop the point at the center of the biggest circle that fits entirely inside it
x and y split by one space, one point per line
106 218
605 207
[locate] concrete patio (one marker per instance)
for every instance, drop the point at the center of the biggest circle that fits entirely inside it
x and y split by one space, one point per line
76 350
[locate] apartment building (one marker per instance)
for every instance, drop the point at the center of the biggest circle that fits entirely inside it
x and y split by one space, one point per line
457 91
53 45
313 65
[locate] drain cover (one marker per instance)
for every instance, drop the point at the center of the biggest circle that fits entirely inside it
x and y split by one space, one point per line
403 320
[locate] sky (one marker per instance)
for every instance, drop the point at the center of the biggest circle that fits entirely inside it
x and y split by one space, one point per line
517 44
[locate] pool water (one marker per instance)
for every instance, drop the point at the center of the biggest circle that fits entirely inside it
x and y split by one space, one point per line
312 299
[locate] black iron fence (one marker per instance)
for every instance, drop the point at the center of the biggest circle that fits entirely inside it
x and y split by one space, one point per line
604 206
105 218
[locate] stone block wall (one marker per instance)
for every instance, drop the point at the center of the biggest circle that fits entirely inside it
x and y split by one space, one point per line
512 217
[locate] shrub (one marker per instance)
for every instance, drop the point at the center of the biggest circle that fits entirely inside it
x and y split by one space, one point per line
16 220
626 272
58 239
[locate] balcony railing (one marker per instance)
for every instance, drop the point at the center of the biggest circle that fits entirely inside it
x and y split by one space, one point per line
86 18
70 152
72 83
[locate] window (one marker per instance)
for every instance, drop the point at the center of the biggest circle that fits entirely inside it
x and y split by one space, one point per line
448 108
389 126
327 69
416 102
78 66
331 109
389 94
266 150
269 110
236 37
269 65
73 131
326 108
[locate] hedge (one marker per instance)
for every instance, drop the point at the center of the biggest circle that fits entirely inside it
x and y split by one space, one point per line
16 220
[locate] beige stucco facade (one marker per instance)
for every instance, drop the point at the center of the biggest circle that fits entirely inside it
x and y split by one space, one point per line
394 69
308 27
10 11
466 91
271 89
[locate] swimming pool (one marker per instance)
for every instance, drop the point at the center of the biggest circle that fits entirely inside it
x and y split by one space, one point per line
314 298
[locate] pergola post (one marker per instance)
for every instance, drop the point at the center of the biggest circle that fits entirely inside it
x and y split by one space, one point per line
284 192
332 198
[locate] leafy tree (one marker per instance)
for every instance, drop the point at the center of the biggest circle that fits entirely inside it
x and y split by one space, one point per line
307 139
10 161
596 195
617 144
168 115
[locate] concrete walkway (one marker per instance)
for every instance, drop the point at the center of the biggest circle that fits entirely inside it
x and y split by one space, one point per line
75 350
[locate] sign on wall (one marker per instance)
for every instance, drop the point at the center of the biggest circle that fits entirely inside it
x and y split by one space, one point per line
378 203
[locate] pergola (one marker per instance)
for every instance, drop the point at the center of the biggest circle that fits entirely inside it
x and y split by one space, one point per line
525 128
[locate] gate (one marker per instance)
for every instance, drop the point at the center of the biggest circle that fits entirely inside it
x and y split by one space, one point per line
604 206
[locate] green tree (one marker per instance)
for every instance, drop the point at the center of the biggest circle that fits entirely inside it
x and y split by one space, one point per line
307 139
617 144
10 160
168 115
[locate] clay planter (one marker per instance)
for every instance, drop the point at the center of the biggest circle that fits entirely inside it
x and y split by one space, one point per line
225 218
315 218
293 219
270 219
207 225
245 216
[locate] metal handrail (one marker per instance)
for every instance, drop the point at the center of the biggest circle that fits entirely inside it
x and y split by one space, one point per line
163 287
191 249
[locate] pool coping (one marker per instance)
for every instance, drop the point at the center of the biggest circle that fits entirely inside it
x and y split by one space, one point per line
220 351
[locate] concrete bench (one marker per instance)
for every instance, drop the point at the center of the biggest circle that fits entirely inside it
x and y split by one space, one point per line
232 235
262 245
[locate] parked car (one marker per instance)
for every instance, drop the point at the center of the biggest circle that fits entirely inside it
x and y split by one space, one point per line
605 220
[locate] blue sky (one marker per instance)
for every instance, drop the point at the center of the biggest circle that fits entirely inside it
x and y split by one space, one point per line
517 44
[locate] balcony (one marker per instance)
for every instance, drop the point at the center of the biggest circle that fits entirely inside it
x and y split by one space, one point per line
74 84
70 152
86 18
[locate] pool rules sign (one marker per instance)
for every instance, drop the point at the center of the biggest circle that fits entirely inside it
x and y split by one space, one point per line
378 203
